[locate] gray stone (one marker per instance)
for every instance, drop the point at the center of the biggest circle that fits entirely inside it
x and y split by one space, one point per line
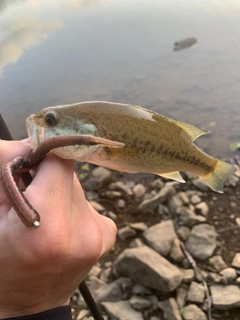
188 275
163 210
216 278
202 208
161 196
181 297
97 206
124 282
139 226
106 274
231 181
196 293
174 203
195 199
183 233
176 252
136 243
111 194
101 177
146 266
112 215
121 310
95 271
202 241
188 218
236 261
225 297
83 314
121 203
200 184
192 312
160 237
183 196
126 233
229 273
140 289
108 292
217 262
95 283
157 183
126 187
170 309
139 190
139 303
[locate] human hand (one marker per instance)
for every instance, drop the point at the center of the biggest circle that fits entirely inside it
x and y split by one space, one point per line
41 268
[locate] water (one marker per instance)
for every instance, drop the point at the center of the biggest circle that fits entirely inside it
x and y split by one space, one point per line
65 51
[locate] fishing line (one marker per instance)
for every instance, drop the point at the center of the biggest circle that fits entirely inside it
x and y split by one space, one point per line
26 178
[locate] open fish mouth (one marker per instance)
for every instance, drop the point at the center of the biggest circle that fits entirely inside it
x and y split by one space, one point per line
35 132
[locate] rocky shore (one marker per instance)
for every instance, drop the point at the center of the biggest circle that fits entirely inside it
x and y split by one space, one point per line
177 254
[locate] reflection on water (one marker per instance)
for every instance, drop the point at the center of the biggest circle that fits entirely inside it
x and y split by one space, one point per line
56 52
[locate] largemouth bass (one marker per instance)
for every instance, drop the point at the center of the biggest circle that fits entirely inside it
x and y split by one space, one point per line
152 143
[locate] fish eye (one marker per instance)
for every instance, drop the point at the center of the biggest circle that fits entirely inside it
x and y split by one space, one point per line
50 119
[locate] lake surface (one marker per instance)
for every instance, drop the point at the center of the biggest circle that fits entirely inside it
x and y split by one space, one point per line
66 51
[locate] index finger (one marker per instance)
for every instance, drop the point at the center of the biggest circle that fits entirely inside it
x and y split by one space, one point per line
12 149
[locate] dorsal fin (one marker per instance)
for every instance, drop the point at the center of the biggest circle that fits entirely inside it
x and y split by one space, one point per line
193 132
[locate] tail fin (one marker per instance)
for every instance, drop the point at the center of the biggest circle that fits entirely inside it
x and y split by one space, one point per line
222 172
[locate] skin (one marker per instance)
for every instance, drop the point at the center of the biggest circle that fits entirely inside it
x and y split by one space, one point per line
41 268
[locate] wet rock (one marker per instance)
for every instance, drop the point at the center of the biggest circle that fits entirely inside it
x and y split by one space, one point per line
236 261
202 241
146 266
200 184
225 297
217 262
196 293
188 218
161 196
121 310
229 273
202 208
183 233
192 312
176 252
139 190
139 303
160 237
170 309
126 233
139 226
181 297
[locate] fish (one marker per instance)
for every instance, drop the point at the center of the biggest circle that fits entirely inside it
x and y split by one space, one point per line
152 143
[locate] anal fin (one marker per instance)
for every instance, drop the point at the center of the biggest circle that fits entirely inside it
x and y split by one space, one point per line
172 175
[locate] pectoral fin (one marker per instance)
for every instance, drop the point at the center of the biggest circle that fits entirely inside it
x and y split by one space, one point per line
173 175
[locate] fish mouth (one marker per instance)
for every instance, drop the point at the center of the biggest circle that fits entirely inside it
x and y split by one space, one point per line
35 132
